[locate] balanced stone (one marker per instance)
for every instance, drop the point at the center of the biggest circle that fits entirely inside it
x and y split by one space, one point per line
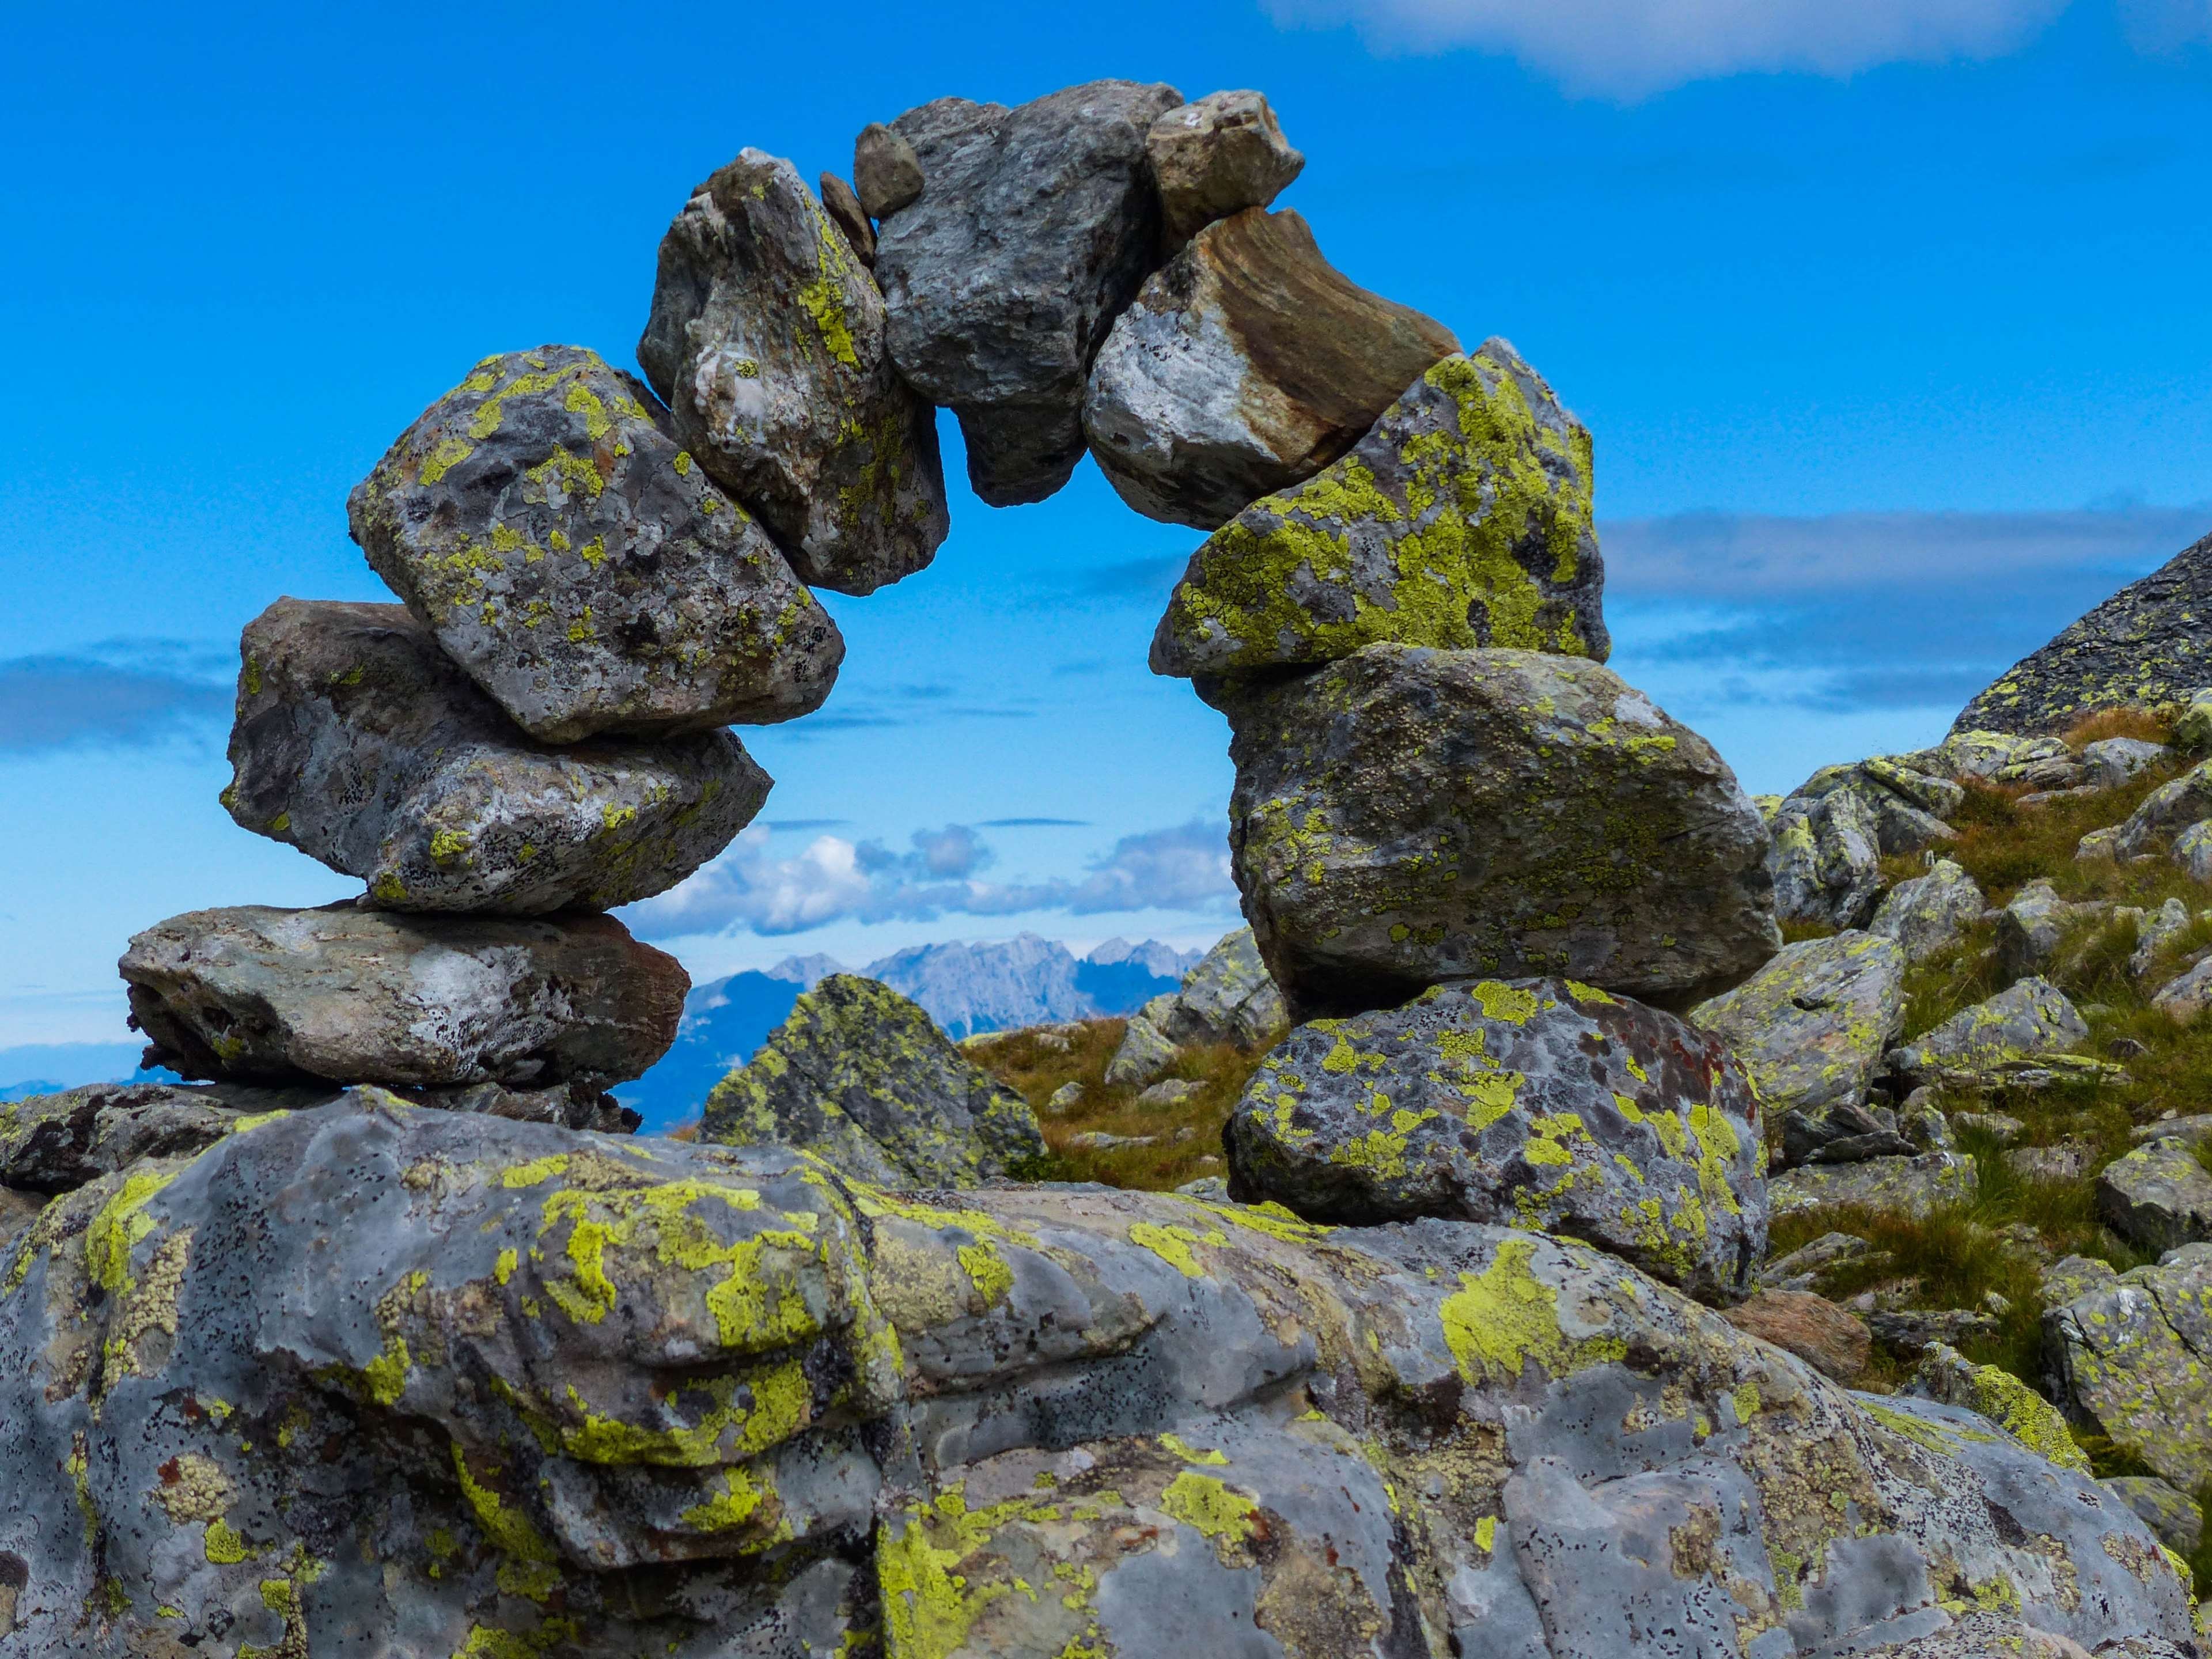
1217 156
1462 520
1812 1025
863 1079
886 173
1404 817
543 521
253 994
766 341
1535 1103
1245 366
1035 228
360 743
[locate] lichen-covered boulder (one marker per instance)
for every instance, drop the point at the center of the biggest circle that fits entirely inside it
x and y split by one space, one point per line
253 994
373 1378
580 567
2112 761
1825 861
1538 1103
2029 1020
2132 1357
2159 1196
2173 1514
1909 1186
2008 757
2167 812
1930 914
1145 1052
1812 1025
1034 228
1227 997
863 1079
1405 817
1947 1374
1247 364
59 1142
766 341
2032 926
1216 156
2145 647
360 743
845 211
1462 520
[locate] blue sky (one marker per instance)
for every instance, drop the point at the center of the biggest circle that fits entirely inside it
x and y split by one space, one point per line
1889 321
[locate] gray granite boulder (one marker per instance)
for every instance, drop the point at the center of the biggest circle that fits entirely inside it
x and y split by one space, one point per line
1217 156
844 212
1462 520
1930 914
373 1378
862 1079
2192 726
2154 931
1824 859
253 994
1227 997
1034 228
2030 1020
2032 925
1145 1052
2173 1514
1404 817
2158 1196
886 173
766 341
541 519
360 743
2186 996
2008 757
2112 761
1910 1186
2192 851
1842 1131
2131 1358
59 1142
1812 1024
1246 365
2167 812
1533 1102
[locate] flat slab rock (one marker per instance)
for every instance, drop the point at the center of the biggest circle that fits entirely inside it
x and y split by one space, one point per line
1535 1103
1812 1025
1247 364
767 343
862 1078
1910 1186
544 523
1034 228
359 742
1462 520
254 994
1405 817
470 1369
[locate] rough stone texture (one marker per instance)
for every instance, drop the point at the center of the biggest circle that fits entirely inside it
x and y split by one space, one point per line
1215 156
766 341
1947 1374
886 173
541 518
1842 1131
845 212
253 994
1144 1053
862 1078
2195 1129
2032 925
2154 932
1824 859
2145 647
2065 1160
1246 365
2158 1197
2167 810
2008 757
1535 1102
1824 1336
2186 996
1913 1185
360 743
2029 1020
1909 1332
1033 231
2112 761
1462 520
58 1143
1801 1270
2171 1513
1227 997
2192 727
2131 1355
492 1388
1931 913
2192 851
1405 817
1812 1025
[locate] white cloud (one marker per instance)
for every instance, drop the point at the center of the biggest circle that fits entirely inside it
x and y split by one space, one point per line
1632 48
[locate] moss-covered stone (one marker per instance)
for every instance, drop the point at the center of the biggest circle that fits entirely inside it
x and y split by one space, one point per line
1462 520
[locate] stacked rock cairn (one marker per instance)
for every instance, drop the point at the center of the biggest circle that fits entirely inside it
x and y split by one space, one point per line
1434 1377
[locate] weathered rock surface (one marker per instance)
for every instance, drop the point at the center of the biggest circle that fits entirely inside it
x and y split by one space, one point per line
253 994
542 520
1216 156
58 1143
1801 1270
1462 520
1931 913
1842 1131
1145 1052
1247 364
1947 1374
1533 1102
2192 726
360 743
2186 996
2008 757
2167 810
862 1078
2032 925
1034 228
1406 817
2112 761
766 341
2145 647
1825 860
886 173
2154 931
1812 1025
1830 1340
1227 997
2192 851
2031 1019
2158 1197
2171 1513
1911 1186
493 1387
851 219
2132 1357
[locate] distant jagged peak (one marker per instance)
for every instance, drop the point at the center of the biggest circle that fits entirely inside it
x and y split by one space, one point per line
807 971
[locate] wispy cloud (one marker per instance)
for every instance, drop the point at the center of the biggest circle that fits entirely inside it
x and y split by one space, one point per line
116 694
